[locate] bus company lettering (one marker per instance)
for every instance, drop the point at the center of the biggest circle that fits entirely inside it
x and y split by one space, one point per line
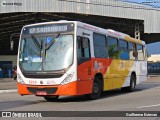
114 33
91 27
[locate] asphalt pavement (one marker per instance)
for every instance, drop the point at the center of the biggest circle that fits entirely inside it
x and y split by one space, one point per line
144 99
8 85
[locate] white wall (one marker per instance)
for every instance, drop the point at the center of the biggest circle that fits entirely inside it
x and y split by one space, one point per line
154 58
12 58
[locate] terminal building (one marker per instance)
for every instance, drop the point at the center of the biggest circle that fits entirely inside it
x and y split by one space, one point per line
154 64
137 19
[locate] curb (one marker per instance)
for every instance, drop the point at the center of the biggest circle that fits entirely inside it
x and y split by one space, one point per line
8 91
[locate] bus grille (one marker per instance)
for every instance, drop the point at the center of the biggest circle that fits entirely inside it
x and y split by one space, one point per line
48 90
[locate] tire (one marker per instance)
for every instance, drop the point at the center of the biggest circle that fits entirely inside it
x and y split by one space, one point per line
132 86
96 90
124 89
51 98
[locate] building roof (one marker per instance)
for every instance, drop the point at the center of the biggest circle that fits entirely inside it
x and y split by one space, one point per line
114 8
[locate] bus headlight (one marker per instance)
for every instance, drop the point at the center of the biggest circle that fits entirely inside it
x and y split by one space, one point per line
67 79
19 79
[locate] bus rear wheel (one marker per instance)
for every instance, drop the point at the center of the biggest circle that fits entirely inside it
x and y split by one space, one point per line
51 98
132 86
96 90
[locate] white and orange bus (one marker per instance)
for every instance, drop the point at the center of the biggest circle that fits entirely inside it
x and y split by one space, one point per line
73 58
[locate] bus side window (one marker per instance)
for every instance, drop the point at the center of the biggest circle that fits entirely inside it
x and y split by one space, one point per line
145 53
123 50
112 47
79 44
100 49
135 53
140 52
130 48
83 49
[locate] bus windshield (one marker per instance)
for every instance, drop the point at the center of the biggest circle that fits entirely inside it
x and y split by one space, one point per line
46 53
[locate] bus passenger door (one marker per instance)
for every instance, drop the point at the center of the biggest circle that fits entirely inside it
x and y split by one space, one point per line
141 64
84 60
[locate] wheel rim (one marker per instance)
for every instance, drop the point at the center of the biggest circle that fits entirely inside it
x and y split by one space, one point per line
96 87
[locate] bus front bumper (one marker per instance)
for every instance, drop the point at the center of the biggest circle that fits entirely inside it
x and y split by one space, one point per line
72 88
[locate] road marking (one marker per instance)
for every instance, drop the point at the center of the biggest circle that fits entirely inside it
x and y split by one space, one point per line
8 91
149 106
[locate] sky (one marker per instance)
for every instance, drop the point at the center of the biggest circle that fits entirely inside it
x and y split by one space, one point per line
153 48
153 3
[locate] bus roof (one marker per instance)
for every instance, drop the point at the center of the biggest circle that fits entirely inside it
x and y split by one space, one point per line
110 32
107 32
124 36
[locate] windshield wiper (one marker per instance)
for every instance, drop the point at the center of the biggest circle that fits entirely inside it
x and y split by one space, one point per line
40 46
51 42
35 41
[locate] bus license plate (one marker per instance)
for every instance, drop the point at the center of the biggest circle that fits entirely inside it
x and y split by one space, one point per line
41 93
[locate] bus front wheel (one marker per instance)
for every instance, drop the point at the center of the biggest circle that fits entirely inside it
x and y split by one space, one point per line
96 90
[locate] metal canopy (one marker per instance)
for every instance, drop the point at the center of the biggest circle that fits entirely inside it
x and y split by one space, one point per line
11 23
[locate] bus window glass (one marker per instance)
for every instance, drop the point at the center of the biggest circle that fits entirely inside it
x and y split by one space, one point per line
83 47
140 52
112 48
145 53
100 49
123 50
130 48
46 53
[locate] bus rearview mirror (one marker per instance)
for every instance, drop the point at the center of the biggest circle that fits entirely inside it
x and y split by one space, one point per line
12 41
11 45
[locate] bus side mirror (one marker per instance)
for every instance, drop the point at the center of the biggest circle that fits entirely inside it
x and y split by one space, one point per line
135 54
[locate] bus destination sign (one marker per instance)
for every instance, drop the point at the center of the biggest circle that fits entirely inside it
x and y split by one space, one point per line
50 28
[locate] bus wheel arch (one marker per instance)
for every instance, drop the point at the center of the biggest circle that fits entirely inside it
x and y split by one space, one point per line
131 87
97 87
